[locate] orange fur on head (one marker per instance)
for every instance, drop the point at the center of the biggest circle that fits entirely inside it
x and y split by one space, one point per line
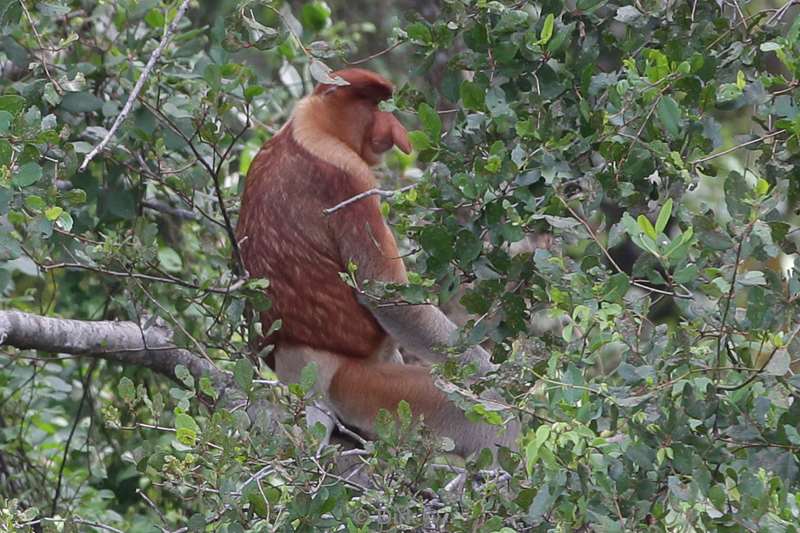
339 121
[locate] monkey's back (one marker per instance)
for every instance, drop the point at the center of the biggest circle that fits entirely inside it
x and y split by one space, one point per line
285 237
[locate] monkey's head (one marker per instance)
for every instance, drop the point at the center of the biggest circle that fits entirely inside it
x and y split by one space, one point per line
354 116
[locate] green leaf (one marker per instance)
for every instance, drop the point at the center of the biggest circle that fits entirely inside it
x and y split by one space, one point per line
589 5
126 389
557 43
741 81
646 226
736 191
49 9
184 376
155 19
436 240
308 376
315 15
664 215
472 96
169 259
5 121
770 46
207 388
751 277
686 274
65 221
670 115
547 29
35 203
420 140
430 121
10 13
12 103
5 152
717 496
533 447
28 174
243 374
53 212
186 429
616 287
419 32
83 102
468 246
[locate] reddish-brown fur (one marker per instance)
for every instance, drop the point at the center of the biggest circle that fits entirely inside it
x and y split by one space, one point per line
294 245
319 159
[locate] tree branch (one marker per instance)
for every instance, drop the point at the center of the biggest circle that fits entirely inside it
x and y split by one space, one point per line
121 342
366 194
148 68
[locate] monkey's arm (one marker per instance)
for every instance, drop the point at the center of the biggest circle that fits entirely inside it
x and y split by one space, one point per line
364 238
424 330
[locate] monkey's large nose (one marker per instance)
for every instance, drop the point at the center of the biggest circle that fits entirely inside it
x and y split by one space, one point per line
400 137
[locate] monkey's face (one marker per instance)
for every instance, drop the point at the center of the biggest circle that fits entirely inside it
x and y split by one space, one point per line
384 132
362 126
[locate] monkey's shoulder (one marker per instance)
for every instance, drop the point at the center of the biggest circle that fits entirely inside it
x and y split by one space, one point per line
283 164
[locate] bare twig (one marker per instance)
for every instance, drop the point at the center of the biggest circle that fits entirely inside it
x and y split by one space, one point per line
734 148
366 194
163 207
42 59
778 15
376 54
139 84
86 386
146 277
745 235
153 506
73 520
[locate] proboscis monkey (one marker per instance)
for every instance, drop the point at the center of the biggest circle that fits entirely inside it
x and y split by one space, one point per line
320 158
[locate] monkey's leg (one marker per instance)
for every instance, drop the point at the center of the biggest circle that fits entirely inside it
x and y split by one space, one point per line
358 390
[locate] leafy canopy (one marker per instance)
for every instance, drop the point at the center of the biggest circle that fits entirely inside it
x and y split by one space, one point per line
575 164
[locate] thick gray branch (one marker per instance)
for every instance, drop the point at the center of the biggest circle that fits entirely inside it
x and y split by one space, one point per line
123 342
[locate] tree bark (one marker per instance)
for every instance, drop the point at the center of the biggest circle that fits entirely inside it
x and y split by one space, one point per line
122 342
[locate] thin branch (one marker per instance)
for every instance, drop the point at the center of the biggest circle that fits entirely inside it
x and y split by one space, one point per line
42 59
728 301
780 12
376 54
734 148
213 172
366 194
290 30
605 251
146 277
86 385
139 85
163 207
73 520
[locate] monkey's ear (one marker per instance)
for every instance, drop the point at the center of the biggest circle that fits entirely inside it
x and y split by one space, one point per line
387 131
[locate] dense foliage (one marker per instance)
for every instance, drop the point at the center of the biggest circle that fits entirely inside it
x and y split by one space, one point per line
575 164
